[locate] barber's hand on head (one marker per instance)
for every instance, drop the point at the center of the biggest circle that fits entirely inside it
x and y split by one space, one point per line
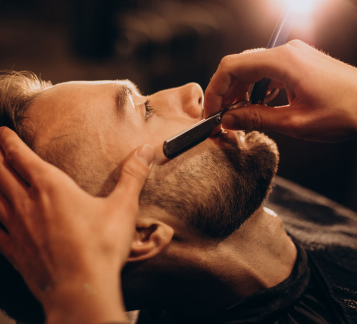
322 93
69 246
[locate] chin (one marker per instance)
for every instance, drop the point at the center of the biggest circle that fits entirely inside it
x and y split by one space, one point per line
216 186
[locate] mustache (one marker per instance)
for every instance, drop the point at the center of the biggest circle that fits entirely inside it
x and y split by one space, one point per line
222 136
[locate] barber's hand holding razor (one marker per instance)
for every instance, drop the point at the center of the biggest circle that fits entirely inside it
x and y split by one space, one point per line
322 93
69 246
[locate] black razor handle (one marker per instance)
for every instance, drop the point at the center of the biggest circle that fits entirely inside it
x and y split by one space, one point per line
191 137
259 92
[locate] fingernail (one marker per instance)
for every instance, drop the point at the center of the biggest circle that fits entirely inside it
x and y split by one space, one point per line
145 154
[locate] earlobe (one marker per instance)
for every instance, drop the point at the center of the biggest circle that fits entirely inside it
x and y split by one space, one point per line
151 237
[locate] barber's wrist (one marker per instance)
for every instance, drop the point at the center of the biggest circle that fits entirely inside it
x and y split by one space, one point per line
93 312
79 302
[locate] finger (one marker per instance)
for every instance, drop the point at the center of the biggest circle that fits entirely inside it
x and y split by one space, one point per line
275 85
271 95
11 185
239 92
21 158
263 118
244 69
6 211
236 93
6 245
133 176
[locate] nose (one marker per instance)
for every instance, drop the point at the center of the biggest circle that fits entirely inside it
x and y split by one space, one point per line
191 97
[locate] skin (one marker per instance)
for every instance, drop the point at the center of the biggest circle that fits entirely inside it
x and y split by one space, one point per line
88 108
165 250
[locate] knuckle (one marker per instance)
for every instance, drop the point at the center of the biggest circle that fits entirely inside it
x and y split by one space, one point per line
293 54
294 49
255 120
45 179
296 128
225 62
6 140
3 136
296 43
134 170
12 155
289 49
40 183
23 208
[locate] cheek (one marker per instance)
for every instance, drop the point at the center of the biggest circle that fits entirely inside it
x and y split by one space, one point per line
122 138
168 130
160 130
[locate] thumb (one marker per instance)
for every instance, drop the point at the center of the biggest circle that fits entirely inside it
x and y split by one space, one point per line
134 174
261 118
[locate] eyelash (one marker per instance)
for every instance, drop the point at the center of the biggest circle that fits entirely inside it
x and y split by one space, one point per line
148 110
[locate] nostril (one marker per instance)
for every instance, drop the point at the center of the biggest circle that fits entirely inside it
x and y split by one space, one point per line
192 99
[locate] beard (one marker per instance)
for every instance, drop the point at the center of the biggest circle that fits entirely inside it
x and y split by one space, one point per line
221 190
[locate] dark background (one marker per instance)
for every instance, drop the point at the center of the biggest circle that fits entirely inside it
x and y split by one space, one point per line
160 44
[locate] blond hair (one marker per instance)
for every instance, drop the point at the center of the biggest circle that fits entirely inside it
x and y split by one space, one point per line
17 92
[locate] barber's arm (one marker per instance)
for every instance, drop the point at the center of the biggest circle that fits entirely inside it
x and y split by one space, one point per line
69 246
322 93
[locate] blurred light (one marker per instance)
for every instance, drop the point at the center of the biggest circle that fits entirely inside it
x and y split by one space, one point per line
305 13
304 6
301 7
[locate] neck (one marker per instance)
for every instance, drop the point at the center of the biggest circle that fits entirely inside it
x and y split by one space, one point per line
202 277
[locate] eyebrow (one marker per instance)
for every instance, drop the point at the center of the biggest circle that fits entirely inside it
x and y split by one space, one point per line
122 93
121 97
132 86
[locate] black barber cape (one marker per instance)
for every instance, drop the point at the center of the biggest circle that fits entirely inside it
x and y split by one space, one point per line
322 287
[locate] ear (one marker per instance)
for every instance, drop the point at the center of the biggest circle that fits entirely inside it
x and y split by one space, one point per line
151 237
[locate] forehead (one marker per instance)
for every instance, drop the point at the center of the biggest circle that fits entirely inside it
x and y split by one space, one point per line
73 89
86 114
80 121
80 93
71 97
74 107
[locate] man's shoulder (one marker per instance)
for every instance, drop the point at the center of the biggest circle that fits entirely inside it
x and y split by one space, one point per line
312 218
323 227
327 230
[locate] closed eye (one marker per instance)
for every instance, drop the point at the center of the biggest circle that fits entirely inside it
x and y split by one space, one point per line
148 110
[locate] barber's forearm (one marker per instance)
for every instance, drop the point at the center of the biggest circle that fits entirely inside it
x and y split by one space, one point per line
88 303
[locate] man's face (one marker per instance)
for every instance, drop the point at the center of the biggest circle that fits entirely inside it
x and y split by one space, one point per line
105 121
114 116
